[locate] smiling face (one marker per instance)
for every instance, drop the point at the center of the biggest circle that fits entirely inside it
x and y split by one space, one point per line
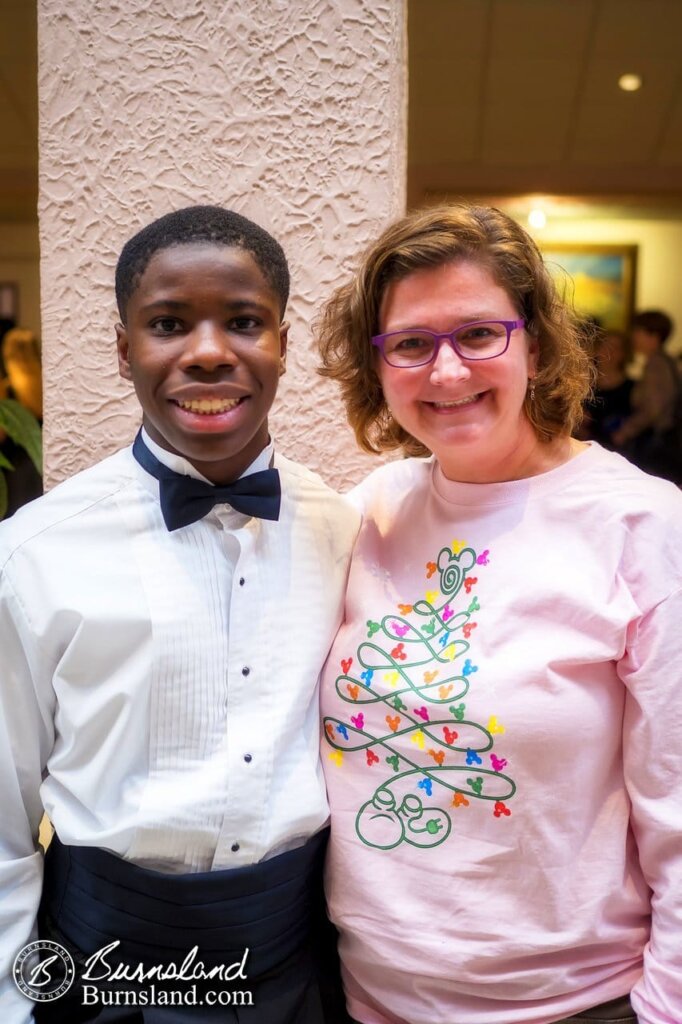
470 414
204 347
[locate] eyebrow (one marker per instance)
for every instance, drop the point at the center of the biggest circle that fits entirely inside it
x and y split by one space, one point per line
178 304
473 318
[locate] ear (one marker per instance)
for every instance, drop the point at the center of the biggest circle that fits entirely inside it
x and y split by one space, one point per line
123 352
283 341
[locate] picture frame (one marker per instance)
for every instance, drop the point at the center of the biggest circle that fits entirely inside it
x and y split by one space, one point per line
9 301
600 282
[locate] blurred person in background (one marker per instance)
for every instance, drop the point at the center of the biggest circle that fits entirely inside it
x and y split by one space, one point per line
21 380
610 404
650 436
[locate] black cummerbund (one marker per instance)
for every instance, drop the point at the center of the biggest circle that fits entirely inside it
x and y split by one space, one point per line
94 897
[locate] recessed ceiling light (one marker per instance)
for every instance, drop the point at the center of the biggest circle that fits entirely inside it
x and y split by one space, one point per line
630 82
537 218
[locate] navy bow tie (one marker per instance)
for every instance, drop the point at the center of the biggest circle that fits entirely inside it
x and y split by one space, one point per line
185 500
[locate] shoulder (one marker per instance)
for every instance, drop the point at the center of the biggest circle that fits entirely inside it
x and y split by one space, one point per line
642 516
629 492
661 366
390 483
309 490
299 478
63 509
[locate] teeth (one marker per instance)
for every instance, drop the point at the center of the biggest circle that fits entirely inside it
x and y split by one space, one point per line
452 405
210 405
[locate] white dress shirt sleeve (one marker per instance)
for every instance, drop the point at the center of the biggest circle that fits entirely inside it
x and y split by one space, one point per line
25 738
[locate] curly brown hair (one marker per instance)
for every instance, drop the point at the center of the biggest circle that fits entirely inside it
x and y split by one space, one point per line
429 238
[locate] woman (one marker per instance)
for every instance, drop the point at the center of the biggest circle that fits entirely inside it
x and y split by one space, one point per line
501 707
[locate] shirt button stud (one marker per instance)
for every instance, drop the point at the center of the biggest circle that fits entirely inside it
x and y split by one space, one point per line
248 758
235 847
242 581
246 670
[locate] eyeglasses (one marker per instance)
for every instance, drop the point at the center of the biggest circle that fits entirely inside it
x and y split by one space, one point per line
484 339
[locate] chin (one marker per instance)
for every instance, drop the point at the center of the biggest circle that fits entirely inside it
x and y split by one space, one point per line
203 448
469 441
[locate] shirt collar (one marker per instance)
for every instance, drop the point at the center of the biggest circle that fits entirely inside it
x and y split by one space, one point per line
181 465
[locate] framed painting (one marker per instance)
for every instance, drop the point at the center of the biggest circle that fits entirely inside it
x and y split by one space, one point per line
600 281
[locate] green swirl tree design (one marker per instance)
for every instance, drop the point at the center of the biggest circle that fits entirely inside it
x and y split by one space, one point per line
415 671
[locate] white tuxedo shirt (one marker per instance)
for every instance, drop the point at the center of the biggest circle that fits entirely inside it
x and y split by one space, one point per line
158 691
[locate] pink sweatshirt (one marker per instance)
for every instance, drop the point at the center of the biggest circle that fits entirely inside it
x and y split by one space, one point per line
502 741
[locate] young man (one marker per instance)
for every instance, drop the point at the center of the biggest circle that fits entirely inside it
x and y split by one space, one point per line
164 617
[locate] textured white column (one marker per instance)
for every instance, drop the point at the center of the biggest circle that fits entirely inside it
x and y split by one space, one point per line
290 111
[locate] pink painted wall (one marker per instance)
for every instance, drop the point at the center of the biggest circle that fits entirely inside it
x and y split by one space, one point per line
290 111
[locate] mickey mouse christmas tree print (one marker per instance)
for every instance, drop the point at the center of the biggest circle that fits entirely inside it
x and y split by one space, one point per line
406 687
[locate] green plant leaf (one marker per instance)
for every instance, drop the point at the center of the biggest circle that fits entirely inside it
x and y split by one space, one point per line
23 428
3 496
4 462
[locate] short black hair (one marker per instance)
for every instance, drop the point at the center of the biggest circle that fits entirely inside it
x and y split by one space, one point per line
655 321
200 224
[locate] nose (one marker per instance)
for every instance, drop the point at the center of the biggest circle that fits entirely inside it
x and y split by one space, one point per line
208 347
447 367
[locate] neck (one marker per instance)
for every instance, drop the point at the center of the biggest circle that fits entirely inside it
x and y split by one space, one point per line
521 463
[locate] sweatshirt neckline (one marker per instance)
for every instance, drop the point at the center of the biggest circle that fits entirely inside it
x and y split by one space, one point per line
510 491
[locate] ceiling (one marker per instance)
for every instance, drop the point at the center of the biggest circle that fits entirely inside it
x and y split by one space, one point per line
506 98
521 96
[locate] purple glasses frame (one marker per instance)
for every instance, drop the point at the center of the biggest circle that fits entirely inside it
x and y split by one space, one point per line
379 340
